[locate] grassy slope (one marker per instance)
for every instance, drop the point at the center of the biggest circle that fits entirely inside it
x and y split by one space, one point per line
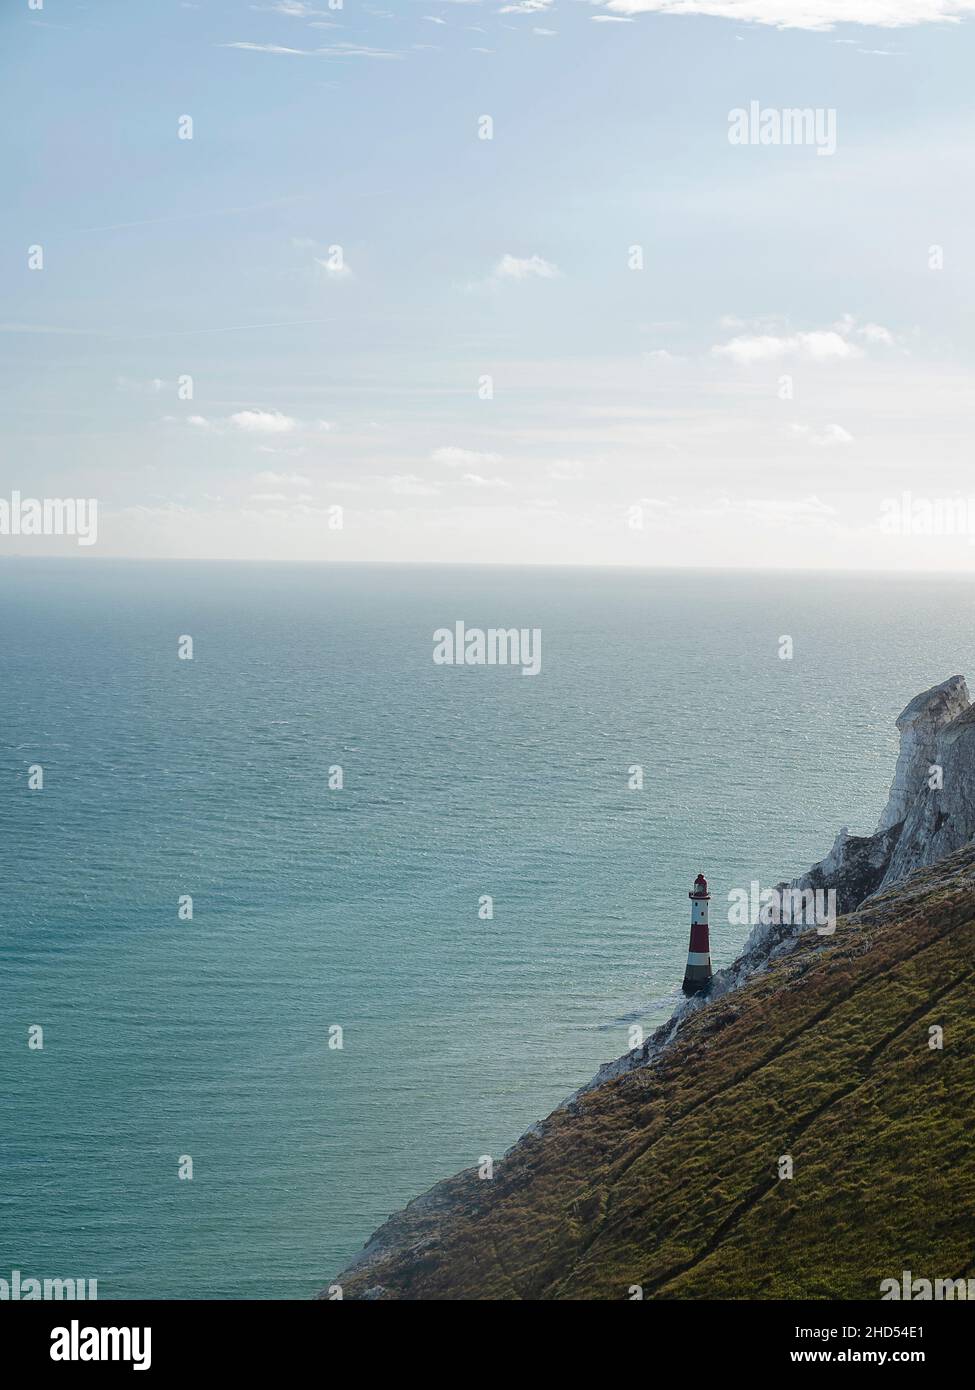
668 1177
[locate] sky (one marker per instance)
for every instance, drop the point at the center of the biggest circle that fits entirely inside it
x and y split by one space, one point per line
469 281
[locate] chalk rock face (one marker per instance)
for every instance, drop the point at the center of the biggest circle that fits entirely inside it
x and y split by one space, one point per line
919 725
919 825
941 818
855 867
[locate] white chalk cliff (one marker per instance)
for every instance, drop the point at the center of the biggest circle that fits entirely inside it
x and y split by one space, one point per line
919 725
931 807
930 813
940 815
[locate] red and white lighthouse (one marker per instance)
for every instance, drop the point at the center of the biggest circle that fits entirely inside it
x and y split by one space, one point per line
697 976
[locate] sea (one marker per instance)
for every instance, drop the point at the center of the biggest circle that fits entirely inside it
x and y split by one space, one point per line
427 901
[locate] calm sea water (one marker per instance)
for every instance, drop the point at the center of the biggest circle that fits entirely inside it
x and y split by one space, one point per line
359 907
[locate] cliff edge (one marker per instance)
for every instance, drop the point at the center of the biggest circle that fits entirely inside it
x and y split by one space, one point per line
804 1131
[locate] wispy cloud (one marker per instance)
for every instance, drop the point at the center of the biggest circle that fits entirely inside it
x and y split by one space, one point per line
819 346
296 9
525 268
269 479
831 437
257 422
476 480
263 422
837 343
335 50
808 14
266 48
463 458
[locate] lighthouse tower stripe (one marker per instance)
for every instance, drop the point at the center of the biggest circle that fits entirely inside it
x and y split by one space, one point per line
699 937
697 976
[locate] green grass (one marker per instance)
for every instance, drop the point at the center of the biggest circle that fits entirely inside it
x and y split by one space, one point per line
667 1177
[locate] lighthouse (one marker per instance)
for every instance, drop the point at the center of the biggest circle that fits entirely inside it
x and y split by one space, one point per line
697 976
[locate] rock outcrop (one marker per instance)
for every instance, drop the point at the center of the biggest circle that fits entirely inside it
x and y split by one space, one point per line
941 814
919 725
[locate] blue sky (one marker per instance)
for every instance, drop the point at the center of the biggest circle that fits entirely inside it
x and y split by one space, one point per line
654 394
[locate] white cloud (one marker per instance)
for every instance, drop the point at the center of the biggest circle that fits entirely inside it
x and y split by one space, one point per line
249 421
283 479
355 50
771 340
297 9
463 458
335 50
827 438
478 481
525 268
834 434
526 7
820 345
263 422
873 333
876 333
266 48
808 14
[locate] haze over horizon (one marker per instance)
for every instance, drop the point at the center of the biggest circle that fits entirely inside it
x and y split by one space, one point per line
330 291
